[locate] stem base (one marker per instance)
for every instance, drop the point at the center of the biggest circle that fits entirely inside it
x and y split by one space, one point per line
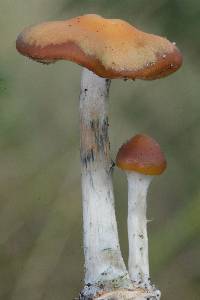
122 294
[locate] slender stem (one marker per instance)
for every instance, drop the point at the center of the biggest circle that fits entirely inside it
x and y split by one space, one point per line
137 227
103 260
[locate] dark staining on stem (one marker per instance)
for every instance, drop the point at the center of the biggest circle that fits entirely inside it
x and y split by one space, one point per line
108 81
88 284
104 273
92 154
83 297
99 142
101 286
87 157
92 124
100 130
112 167
84 161
83 94
107 249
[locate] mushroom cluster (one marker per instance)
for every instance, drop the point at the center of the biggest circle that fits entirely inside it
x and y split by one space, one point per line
108 49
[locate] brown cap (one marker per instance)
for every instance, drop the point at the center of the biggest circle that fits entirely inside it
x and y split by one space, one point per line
111 48
141 154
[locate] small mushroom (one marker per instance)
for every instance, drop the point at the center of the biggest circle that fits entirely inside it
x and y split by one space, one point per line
106 48
141 158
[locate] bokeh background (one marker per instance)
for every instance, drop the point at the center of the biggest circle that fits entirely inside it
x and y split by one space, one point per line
41 255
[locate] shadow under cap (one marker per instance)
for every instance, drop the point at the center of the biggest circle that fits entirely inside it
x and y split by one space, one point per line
110 48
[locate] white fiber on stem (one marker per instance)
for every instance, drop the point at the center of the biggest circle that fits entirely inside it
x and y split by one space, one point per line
103 260
138 262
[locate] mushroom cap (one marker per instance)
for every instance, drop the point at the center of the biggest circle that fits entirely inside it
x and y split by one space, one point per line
111 48
141 154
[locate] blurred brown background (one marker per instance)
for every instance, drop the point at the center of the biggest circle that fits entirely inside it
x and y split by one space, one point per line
41 254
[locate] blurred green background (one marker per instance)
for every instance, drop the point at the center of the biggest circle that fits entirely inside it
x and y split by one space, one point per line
41 255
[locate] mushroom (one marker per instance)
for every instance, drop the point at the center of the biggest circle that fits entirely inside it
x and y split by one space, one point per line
141 158
106 48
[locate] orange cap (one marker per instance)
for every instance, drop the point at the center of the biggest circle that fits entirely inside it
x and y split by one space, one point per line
141 154
111 48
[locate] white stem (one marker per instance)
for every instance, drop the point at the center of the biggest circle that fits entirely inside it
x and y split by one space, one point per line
103 260
137 227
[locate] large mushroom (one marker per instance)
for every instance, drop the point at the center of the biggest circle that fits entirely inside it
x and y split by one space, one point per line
106 49
141 158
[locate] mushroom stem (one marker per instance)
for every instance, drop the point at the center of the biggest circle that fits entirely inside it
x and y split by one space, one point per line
103 259
137 227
